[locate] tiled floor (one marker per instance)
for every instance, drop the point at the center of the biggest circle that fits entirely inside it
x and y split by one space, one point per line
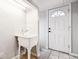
55 55
50 54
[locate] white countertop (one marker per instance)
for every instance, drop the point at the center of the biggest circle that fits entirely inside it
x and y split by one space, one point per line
26 35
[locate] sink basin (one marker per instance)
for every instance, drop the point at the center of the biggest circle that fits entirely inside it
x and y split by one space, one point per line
26 35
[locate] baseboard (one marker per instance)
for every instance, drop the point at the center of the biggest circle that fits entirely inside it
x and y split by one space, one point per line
15 57
47 50
18 55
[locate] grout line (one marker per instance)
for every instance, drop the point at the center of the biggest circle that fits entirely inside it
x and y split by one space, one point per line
49 54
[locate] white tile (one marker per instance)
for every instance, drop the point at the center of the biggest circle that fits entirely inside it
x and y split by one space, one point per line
55 53
71 57
53 57
63 56
44 54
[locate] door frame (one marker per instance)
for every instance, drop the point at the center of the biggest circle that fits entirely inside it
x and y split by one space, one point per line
69 5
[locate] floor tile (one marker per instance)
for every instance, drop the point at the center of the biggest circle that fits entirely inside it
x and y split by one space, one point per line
55 53
53 57
63 56
71 57
44 54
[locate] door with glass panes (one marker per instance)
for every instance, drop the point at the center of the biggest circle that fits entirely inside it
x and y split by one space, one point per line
59 29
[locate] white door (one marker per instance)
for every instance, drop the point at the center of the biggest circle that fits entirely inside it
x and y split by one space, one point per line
59 29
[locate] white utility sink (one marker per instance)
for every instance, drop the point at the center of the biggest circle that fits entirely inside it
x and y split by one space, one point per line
26 35
27 40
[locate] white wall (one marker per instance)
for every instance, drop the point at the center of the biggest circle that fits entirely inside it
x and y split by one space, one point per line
32 21
11 20
74 18
43 28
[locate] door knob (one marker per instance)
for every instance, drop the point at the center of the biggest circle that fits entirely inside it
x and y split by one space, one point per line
49 31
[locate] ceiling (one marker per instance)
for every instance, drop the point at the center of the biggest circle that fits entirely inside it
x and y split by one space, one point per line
48 4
